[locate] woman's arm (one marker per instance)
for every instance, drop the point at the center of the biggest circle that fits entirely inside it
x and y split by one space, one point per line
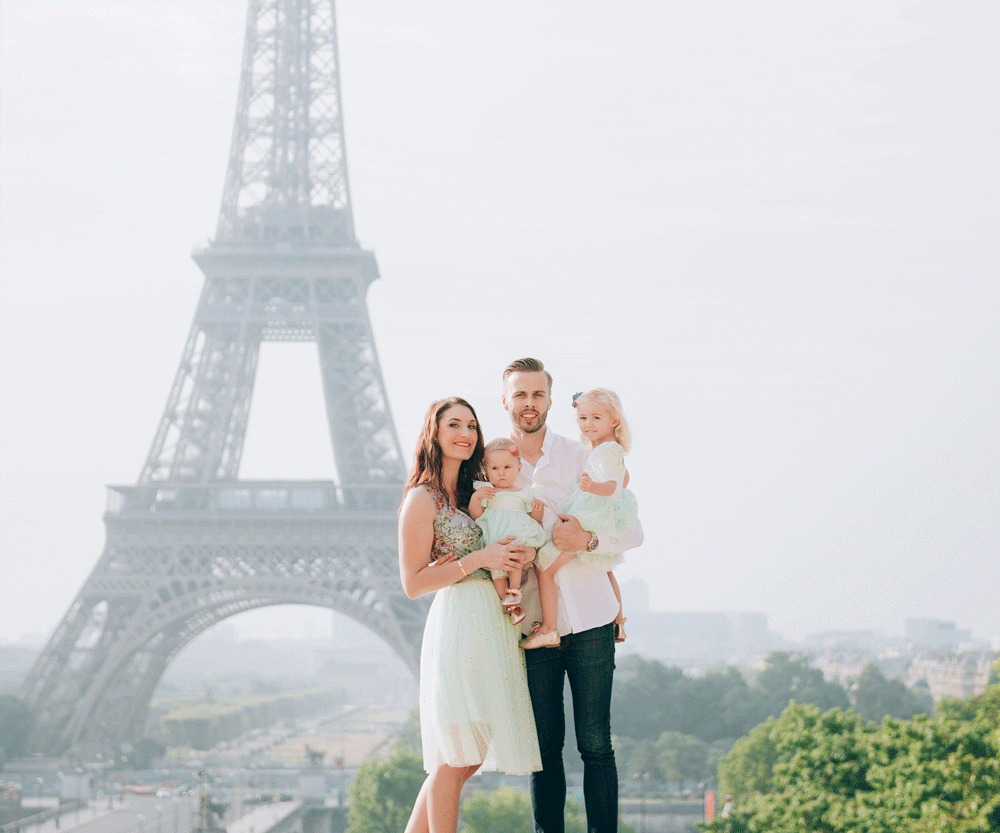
416 537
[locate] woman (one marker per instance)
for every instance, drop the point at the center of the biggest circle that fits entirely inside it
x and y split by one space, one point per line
474 703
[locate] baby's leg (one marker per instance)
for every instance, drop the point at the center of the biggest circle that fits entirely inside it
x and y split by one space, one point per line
500 584
514 576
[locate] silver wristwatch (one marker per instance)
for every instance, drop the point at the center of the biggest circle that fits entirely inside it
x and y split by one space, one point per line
593 542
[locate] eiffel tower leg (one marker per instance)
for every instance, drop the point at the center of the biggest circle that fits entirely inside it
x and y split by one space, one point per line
162 581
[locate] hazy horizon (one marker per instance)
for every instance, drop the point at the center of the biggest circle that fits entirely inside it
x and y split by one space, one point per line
771 228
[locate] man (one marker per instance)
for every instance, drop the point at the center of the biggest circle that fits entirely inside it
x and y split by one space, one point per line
587 606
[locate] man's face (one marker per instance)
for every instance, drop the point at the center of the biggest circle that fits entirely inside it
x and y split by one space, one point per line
526 397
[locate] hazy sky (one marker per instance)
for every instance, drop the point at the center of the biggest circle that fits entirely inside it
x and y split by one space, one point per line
772 227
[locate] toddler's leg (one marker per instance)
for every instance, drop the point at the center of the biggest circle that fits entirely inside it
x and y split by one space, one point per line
500 583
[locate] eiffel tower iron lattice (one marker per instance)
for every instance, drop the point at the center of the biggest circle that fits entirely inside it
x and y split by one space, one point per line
190 545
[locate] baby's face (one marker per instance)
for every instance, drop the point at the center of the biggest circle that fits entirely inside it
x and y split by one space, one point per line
502 468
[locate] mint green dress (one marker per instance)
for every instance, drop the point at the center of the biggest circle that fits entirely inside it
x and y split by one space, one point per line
507 514
606 517
474 702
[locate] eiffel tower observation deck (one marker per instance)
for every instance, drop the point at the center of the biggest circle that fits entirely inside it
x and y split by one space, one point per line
190 544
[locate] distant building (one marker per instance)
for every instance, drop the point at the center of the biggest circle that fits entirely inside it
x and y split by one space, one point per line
693 637
950 674
935 633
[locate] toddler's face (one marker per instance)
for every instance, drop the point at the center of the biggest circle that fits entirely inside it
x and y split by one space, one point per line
502 468
596 423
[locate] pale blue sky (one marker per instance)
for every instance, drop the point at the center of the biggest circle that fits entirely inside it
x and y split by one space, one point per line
772 227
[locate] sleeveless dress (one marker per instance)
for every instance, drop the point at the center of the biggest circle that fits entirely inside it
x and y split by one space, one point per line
606 517
474 702
507 514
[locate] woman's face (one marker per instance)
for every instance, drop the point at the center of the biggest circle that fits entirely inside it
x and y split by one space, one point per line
457 433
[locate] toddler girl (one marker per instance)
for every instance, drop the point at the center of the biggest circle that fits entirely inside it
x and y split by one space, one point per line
501 510
599 502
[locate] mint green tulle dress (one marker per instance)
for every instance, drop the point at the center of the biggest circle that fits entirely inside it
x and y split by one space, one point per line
507 514
474 701
606 517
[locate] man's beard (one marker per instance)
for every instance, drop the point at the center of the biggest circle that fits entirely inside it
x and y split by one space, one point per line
531 427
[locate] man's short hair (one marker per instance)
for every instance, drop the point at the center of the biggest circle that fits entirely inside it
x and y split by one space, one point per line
527 365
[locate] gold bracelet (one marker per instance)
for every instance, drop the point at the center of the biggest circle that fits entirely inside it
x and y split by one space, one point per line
460 567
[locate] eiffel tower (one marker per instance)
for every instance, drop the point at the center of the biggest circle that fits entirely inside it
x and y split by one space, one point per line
189 544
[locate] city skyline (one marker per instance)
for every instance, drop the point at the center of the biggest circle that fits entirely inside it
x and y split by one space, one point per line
771 231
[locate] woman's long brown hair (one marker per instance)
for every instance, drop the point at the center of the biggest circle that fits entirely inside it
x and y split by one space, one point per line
427 463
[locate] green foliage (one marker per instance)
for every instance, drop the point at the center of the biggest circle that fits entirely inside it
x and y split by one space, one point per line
383 793
508 810
16 722
408 736
502 809
650 698
747 768
203 725
683 757
834 772
875 697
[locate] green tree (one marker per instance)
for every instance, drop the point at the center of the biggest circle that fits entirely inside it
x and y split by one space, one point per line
16 722
637 757
383 793
834 772
875 697
408 735
787 677
683 757
748 767
502 809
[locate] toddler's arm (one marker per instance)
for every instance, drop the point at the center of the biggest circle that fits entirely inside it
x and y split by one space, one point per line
537 510
603 488
476 501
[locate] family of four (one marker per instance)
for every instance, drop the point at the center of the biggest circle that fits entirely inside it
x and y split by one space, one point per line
485 702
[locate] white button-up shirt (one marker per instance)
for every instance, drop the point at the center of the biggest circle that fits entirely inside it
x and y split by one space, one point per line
586 598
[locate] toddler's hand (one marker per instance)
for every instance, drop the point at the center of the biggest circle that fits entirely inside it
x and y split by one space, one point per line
586 484
484 493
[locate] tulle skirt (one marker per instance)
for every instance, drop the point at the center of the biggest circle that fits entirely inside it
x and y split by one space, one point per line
474 702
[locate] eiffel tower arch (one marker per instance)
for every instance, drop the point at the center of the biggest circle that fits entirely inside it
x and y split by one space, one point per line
190 544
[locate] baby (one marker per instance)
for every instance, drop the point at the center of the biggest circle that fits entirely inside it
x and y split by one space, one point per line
502 510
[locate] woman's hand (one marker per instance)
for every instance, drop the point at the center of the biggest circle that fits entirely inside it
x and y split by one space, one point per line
504 554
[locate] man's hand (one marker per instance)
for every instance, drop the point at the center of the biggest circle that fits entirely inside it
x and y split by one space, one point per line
569 536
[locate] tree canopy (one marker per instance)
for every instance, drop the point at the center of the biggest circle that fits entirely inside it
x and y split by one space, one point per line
834 772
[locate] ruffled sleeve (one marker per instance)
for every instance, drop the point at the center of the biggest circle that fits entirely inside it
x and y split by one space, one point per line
479 484
607 462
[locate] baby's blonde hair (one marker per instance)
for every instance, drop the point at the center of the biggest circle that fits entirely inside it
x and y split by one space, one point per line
608 399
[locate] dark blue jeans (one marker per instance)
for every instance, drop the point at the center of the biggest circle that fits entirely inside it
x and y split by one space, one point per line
588 660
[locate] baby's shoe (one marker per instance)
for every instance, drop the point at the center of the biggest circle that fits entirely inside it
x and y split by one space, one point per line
515 614
512 598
